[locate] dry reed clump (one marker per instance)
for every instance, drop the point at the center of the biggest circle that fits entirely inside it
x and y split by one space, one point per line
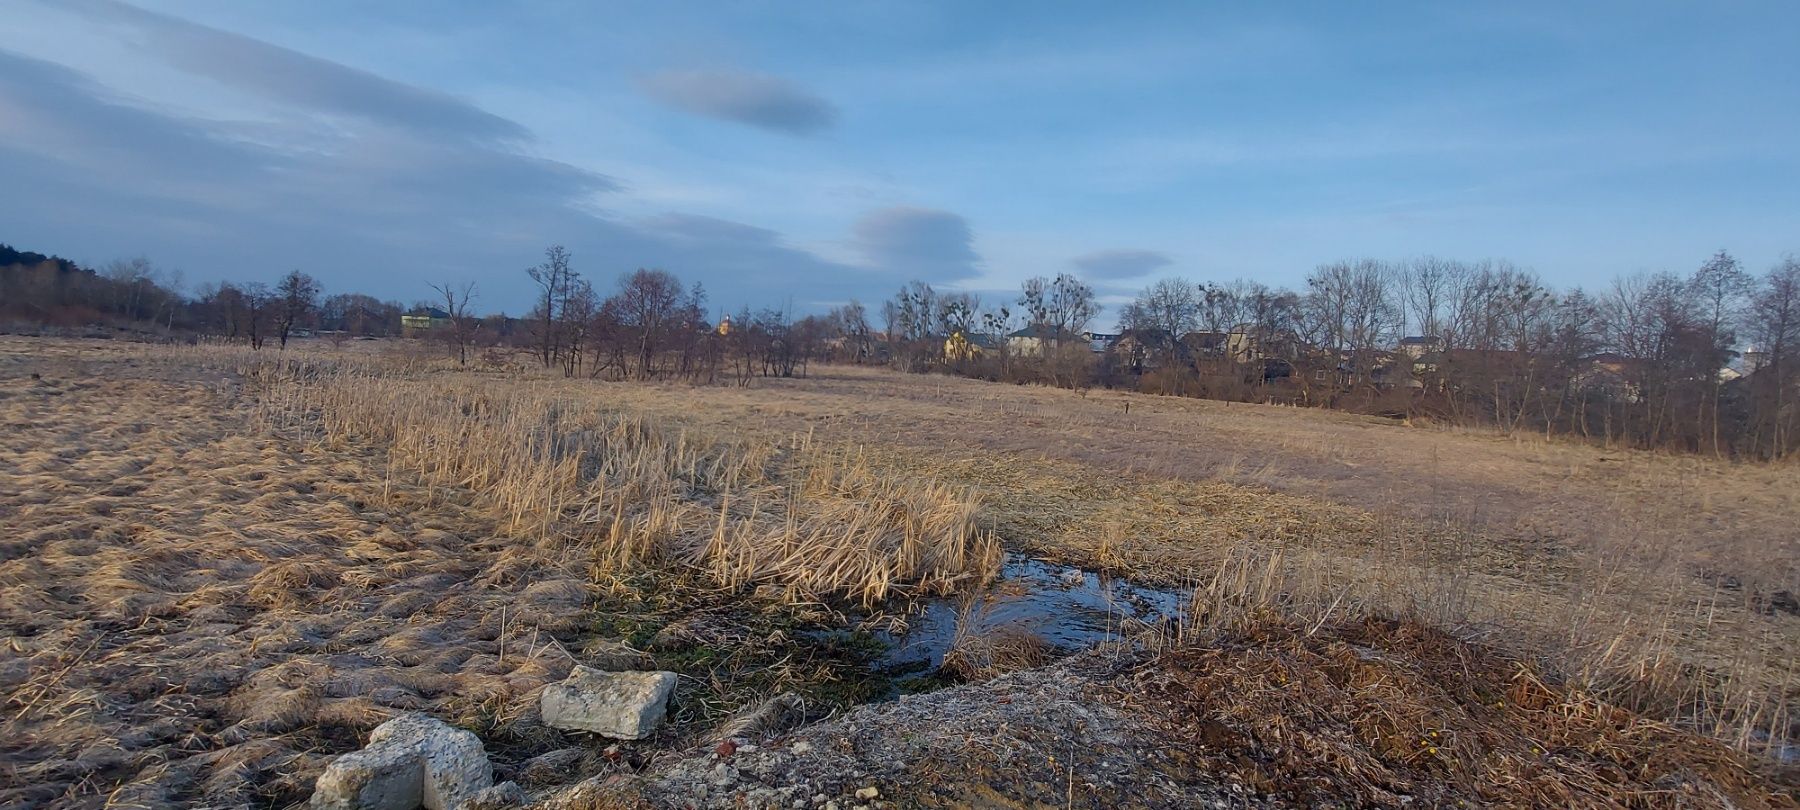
1382 713
982 650
763 720
996 651
621 491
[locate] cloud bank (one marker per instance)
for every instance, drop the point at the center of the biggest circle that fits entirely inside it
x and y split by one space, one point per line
400 186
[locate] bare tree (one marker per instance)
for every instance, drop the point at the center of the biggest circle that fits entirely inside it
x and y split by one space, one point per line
462 326
1775 327
578 315
957 312
255 300
648 306
1063 305
1351 309
1721 287
554 278
299 296
1160 316
852 322
132 281
1170 308
917 307
1225 306
1428 285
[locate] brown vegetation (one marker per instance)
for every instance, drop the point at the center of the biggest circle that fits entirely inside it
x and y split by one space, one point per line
1621 568
620 491
213 581
205 596
1377 713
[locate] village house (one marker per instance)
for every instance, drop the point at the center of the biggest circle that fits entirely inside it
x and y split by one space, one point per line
1612 373
1206 344
425 318
1138 350
1036 341
1247 343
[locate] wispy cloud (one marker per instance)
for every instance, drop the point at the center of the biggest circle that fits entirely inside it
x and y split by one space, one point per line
760 100
289 77
116 175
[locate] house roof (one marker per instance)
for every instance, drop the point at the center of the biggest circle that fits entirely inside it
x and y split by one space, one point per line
1420 340
1045 333
429 312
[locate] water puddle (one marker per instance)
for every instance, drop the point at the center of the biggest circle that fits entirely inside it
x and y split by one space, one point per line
1070 608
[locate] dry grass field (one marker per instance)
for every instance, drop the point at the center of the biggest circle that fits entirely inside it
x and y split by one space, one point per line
196 610
218 570
1624 568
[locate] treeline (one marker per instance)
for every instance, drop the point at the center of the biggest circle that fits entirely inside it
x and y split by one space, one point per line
1702 362
35 288
1705 362
136 295
652 326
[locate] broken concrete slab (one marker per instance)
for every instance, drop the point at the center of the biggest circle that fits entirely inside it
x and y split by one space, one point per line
620 705
411 761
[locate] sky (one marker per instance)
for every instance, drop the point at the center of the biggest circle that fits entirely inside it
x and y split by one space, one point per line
805 154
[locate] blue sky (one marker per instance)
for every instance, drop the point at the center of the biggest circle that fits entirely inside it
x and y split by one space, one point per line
804 154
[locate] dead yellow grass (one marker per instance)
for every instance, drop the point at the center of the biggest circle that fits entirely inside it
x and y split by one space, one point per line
204 594
621 491
195 611
1656 580
208 589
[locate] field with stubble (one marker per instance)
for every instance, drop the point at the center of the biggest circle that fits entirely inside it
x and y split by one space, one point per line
219 569
198 610
1670 579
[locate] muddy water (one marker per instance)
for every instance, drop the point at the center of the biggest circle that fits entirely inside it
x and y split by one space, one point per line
1070 608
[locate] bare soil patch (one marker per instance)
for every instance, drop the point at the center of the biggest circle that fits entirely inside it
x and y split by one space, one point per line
1365 714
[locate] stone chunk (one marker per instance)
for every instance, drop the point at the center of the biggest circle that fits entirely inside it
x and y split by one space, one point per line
621 705
375 778
411 761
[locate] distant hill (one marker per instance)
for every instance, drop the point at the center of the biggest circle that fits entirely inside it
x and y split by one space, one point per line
10 256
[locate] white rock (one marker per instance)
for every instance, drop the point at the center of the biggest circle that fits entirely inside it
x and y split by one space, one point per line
621 705
375 778
411 761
